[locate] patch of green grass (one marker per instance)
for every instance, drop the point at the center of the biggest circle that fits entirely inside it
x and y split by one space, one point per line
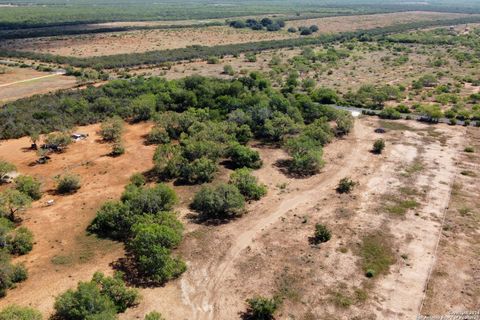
361 295
376 254
287 287
413 168
62 260
390 125
464 211
408 191
341 300
401 207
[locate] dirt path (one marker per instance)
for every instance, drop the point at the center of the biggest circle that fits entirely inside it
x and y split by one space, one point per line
28 80
204 294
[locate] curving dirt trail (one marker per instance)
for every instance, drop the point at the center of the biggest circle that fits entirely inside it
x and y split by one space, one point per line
203 286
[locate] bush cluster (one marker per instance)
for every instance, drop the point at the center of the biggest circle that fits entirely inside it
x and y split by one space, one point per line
144 221
68 183
101 298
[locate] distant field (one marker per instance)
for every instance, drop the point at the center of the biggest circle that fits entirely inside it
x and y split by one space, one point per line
141 41
351 23
19 83
161 39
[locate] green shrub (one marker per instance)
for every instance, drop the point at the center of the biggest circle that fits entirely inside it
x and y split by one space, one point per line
10 273
322 233
319 131
147 235
5 169
325 95
20 241
213 60
29 186
100 299
243 156
158 135
306 155
19 273
115 289
68 183
221 202
168 160
345 122
250 57
247 184
83 303
113 220
138 180
11 202
158 266
198 171
345 185
154 316
376 254
390 113
111 129
117 149
61 139
150 200
469 149
14 312
261 308
378 146
228 69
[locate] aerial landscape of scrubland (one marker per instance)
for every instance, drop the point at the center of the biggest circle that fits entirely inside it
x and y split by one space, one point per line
251 159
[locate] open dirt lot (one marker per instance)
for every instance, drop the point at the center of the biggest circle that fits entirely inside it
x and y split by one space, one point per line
267 251
350 23
148 40
63 254
18 83
141 41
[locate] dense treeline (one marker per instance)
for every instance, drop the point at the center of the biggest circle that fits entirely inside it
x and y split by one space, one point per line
202 52
33 13
82 29
47 13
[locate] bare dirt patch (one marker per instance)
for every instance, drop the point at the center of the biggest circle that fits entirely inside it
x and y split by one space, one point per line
63 254
267 251
350 23
149 40
18 83
141 41
455 284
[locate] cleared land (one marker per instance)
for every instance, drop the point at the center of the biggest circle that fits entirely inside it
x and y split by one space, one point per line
229 263
149 40
351 23
141 41
17 83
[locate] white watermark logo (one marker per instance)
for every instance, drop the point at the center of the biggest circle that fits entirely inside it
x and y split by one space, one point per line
463 315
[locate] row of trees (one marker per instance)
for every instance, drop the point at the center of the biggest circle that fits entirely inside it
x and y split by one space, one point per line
211 119
201 52
264 24
15 240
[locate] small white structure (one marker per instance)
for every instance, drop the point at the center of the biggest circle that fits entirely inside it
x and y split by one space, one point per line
79 136
50 203
10 177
